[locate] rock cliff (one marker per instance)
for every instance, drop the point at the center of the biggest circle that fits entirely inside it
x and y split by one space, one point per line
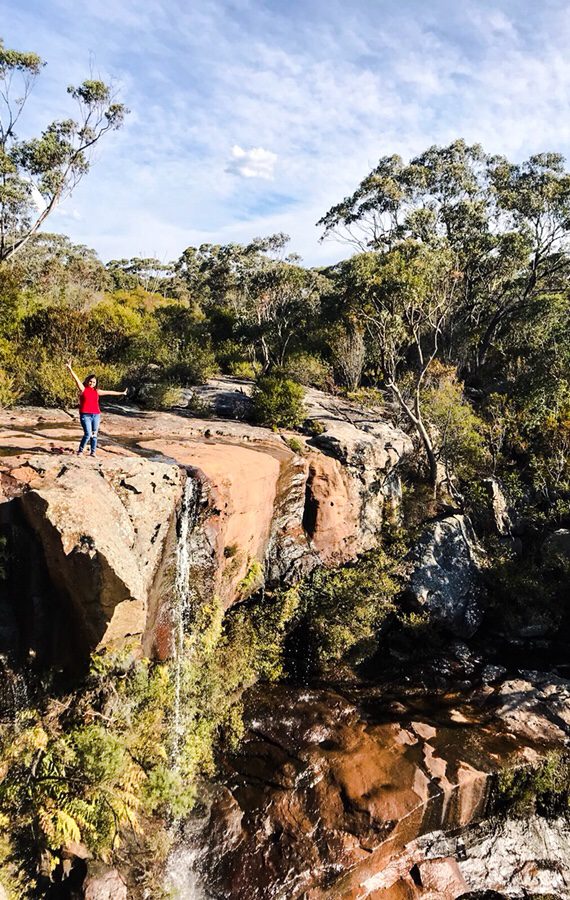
104 530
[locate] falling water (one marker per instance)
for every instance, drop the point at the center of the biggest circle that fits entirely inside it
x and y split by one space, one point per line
182 600
182 880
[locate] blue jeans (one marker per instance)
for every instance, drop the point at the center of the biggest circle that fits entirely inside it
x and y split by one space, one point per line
90 425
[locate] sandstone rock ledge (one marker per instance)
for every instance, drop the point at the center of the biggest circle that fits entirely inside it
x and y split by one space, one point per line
104 530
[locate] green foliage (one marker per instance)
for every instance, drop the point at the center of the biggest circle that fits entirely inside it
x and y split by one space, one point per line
194 367
161 395
252 580
113 329
458 432
309 370
43 377
278 402
199 407
243 368
525 593
296 445
53 163
86 767
344 608
544 788
9 393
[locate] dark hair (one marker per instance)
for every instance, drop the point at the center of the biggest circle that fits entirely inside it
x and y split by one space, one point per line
88 379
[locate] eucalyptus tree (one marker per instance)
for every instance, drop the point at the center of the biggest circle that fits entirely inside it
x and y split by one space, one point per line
52 267
507 225
148 272
404 299
268 299
38 173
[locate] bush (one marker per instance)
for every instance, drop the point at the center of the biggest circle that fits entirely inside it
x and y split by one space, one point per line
87 767
243 368
195 366
200 408
114 327
43 379
295 445
278 402
161 395
9 393
234 361
344 608
543 789
310 370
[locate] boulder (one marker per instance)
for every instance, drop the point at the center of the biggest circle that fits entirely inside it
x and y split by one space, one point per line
500 519
446 579
103 530
528 857
103 883
442 878
334 793
225 397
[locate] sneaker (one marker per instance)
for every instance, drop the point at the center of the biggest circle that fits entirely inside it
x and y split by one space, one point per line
80 453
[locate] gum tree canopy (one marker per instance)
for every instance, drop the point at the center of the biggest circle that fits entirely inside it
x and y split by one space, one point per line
36 174
458 251
507 226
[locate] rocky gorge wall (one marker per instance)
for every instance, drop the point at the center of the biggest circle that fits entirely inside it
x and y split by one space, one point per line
103 531
348 790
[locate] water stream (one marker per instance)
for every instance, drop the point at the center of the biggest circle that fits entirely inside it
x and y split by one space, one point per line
183 595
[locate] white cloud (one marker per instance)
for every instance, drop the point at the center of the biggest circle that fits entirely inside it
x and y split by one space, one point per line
254 163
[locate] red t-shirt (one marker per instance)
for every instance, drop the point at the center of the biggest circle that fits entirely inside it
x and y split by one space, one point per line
89 401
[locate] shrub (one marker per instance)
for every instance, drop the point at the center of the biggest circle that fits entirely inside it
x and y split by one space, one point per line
457 430
87 767
314 427
278 402
544 788
243 368
194 366
295 445
199 407
9 393
114 327
344 608
161 395
43 378
310 370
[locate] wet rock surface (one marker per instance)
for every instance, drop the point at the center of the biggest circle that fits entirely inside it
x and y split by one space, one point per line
333 789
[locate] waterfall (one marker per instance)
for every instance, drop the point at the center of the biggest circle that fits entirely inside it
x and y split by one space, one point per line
182 881
182 600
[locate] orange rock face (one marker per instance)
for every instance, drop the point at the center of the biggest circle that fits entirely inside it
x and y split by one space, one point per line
331 795
241 488
332 513
265 514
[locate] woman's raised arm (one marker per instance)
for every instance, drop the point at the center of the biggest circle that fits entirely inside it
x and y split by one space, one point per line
79 384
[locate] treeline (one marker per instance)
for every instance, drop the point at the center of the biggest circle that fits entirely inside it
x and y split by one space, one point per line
453 312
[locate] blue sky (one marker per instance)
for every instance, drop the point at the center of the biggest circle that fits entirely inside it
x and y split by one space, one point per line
251 117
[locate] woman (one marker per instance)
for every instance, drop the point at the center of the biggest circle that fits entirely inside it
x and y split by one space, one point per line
89 412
